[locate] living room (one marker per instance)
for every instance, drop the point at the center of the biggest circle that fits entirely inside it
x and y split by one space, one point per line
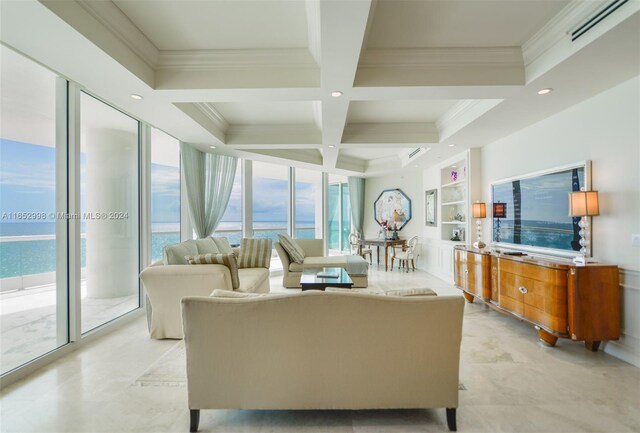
322 112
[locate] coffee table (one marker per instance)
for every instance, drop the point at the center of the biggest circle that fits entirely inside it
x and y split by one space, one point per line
311 281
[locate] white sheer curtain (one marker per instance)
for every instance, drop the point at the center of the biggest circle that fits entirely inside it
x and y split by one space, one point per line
209 180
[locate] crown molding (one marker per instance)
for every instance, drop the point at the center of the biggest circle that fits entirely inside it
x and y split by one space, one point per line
213 115
440 57
197 60
114 20
558 28
463 113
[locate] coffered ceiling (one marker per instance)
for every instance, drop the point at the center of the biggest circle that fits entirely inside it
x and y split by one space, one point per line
255 78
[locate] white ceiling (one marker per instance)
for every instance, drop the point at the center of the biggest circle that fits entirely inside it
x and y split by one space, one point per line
254 78
415 111
411 24
266 113
219 25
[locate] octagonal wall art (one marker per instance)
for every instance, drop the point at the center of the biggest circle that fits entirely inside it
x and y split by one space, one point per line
393 206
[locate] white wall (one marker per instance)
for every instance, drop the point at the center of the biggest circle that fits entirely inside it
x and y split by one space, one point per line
410 182
606 130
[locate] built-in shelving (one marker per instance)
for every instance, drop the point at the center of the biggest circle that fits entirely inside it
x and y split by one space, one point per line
454 200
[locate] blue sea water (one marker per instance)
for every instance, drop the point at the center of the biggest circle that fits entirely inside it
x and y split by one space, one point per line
539 233
39 256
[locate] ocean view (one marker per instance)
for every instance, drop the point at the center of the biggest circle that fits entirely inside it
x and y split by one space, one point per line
35 256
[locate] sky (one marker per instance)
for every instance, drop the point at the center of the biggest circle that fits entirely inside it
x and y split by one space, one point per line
27 184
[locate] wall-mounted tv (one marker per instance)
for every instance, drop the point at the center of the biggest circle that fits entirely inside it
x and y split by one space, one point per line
537 209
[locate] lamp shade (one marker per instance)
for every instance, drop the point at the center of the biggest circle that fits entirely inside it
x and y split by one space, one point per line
499 210
479 210
583 203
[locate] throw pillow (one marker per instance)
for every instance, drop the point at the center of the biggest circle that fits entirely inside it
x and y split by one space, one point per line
412 292
219 293
228 260
255 253
223 245
207 246
292 248
175 254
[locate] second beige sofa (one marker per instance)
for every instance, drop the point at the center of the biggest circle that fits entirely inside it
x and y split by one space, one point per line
314 258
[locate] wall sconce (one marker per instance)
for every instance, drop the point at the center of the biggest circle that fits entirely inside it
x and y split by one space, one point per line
479 210
499 211
584 204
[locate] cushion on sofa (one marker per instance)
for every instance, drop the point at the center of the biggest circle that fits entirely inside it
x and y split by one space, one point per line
207 246
175 254
412 292
254 280
296 254
319 262
255 253
229 260
223 245
220 293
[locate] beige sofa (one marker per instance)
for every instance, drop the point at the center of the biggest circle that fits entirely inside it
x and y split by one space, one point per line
314 258
323 350
167 284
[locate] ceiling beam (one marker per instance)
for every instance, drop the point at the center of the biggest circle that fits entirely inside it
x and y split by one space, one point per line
342 30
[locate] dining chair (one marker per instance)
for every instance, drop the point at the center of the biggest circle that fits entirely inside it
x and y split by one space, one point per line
406 255
358 249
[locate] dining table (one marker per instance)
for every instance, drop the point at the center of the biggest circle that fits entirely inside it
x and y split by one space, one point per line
386 243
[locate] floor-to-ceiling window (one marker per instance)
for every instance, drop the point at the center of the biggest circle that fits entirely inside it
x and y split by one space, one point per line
33 284
308 204
165 192
231 223
270 186
109 198
339 213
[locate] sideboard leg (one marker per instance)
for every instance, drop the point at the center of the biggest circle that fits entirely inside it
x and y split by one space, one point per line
195 419
592 345
546 337
451 419
468 297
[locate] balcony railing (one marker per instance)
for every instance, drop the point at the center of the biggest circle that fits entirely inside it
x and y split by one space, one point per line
30 261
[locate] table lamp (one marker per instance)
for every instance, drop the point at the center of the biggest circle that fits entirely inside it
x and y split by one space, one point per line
499 211
479 210
584 204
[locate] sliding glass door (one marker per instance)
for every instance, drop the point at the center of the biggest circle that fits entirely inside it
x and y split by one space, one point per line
33 283
109 197
339 214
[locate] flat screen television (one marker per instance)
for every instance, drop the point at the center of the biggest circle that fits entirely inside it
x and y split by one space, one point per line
537 210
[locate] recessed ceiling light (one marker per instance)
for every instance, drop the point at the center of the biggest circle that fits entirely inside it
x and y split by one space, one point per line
136 96
331 146
212 147
451 145
545 91
336 93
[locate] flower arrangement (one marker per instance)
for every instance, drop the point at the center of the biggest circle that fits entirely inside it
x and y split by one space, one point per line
385 225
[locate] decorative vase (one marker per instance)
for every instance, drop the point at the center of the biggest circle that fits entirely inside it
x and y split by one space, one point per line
454 176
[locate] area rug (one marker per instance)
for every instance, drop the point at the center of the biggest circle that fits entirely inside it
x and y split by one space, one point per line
168 370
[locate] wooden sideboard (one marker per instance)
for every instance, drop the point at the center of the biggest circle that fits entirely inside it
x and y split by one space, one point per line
560 298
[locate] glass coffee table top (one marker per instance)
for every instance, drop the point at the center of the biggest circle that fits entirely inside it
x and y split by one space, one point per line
313 279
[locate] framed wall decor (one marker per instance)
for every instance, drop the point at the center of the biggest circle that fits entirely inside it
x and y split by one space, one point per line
392 206
431 207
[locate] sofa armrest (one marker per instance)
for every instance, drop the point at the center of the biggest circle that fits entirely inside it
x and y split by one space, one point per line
166 285
284 257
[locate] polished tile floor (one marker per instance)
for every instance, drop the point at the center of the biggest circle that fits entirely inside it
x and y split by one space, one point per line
513 384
